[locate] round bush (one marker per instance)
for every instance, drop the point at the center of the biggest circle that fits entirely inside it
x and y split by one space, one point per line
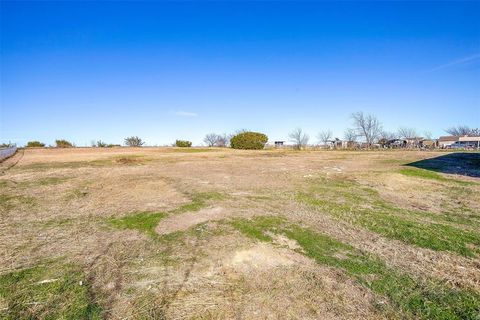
35 144
249 141
183 143
63 143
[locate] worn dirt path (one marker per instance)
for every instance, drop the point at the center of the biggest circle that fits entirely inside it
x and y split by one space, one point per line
181 222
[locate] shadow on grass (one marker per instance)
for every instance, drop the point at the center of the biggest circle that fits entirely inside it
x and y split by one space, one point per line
462 163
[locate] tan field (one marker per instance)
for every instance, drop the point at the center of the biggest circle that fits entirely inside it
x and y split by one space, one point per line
167 233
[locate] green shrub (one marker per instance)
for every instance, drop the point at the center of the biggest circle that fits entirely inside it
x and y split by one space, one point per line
249 140
183 143
101 144
35 144
63 144
134 141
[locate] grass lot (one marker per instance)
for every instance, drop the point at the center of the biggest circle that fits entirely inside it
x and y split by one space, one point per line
50 290
425 299
171 233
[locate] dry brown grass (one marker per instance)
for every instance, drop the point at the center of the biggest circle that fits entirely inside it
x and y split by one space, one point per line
57 203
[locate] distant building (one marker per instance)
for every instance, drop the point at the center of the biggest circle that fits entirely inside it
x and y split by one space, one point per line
279 144
396 143
428 143
446 141
413 142
470 141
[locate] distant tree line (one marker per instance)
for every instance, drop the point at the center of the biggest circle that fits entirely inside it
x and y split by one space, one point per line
366 129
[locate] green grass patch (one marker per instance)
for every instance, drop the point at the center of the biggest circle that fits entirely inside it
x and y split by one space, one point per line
65 165
421 173
362 206
431 175
147 221
411 297
257 228
199 200
9 202
47 181
50 181
141 221
47 291
57 222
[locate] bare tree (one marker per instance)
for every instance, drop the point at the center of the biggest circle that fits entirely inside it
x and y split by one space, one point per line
350 135
384 137
387 135
211 139
427 135
405 132
222 140
299 138
367 126
217 140
324 136
461 131
134 141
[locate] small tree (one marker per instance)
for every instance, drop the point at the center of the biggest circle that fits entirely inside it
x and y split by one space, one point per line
217 140
325 136
222 141
35 144
299 138
63 143
387 135
248 140
183 143
134 141
98 144
406 133
211 139
366 126
350 135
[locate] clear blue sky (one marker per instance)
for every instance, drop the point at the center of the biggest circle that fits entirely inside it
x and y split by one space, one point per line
85 71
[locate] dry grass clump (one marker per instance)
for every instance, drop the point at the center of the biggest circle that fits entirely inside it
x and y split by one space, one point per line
124 160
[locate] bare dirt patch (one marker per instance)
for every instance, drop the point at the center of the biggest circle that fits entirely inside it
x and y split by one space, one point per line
263 257
183 221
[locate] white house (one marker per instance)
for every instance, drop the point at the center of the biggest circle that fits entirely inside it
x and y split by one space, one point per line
470 141
445 141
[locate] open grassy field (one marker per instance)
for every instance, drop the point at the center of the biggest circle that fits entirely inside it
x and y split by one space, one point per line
165 233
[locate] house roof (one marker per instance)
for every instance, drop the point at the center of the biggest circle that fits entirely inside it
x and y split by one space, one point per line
469 139
448 138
